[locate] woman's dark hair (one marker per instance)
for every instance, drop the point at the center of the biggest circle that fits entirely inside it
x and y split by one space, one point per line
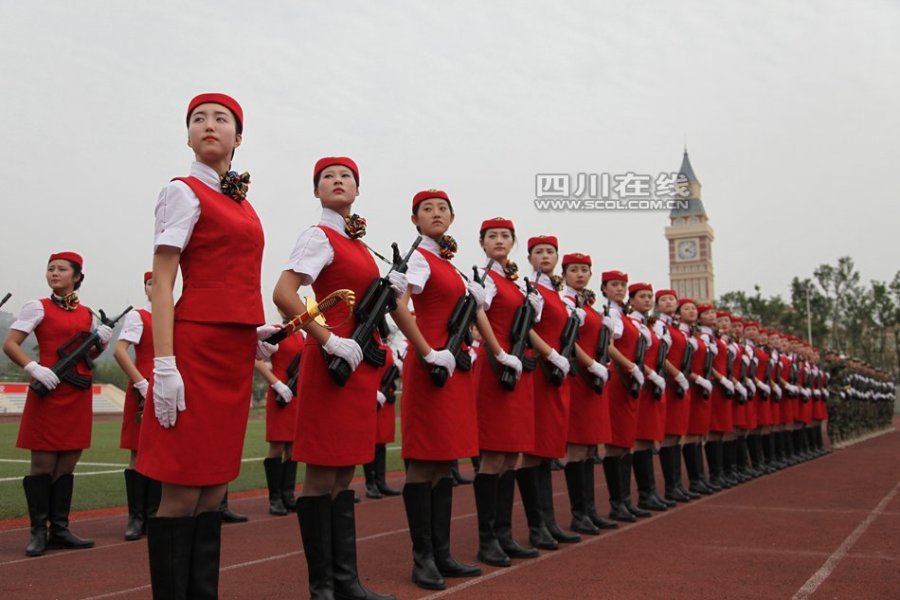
76 269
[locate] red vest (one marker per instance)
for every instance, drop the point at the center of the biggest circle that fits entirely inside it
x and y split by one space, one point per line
353 268
143 350
220 266
436 302
553 318
503 308
55 329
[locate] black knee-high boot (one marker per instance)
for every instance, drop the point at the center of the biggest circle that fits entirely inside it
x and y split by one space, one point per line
539 534
489 550
343 551
506 488
545 501
715 458
272 467
625 466
314 516
380 471
135 493
369 470
581 522
289 484
417 500
441 515
729 462
646 481
590 497
205 554
696 484
154 495
37 494
228 515
668 456
612 469
60 505
170 542
679 473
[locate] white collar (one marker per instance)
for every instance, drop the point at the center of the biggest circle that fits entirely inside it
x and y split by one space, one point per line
613 305
543 279
705 329
206 174
432 246
667 319
685 328
334 220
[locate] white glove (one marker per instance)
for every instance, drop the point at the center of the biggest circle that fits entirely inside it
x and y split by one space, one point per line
441 358
704 383
598 370
344 348
142 386
399 282
826 394
557 360
658 381
536 301
579 312
777 389
751 387
805 392
739 387
508 360
476 290
168 391
380 398
766 388
683 382
817 394
42 374
608 322
726 384
637 375
104 332
283 390
473 355
264 350
790 387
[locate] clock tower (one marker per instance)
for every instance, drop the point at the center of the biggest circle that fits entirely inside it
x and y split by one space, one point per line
690 241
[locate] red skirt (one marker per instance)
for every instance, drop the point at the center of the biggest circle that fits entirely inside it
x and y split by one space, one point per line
588 414
651 423
787 409
804 413
335 424
386 424
438 423
59 421
820 410
698 424
551 413
623 411
764 411
281 421
205 445
131 429
739 413
720 417
505 418
678 410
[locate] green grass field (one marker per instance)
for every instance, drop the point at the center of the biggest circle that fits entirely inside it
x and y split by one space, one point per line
108 489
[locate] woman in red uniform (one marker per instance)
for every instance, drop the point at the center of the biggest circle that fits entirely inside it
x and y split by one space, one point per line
194 444
651 419
56 427
439 422
385 428
336 424
678 393
623 406
589 409
698 421
142 492
505 417
281 419
756 346
720 398
551 402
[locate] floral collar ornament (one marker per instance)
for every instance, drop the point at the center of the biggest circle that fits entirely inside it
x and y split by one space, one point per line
235 186
355 226
511 270
448 246
588 297
68 302
557 282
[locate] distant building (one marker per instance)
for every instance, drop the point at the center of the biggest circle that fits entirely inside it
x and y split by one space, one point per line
690 242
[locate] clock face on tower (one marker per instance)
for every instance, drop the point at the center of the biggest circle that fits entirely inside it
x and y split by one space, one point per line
687 250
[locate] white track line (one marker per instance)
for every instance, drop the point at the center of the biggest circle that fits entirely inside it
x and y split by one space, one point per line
819 577
77 474
81 462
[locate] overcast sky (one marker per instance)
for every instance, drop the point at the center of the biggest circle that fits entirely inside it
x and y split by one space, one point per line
789 111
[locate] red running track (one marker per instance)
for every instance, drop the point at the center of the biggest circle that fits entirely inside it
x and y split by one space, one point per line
823 529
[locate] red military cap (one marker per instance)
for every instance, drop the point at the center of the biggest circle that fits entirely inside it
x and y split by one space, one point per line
748 324
723 314
330 161
737 319
576 258
683 301
543 239
608 276
497 223
702 308
226 101
661 293
69 256
148 275
761 329
427 195
641 286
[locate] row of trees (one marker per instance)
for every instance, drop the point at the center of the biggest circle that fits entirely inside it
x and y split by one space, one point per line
844 314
